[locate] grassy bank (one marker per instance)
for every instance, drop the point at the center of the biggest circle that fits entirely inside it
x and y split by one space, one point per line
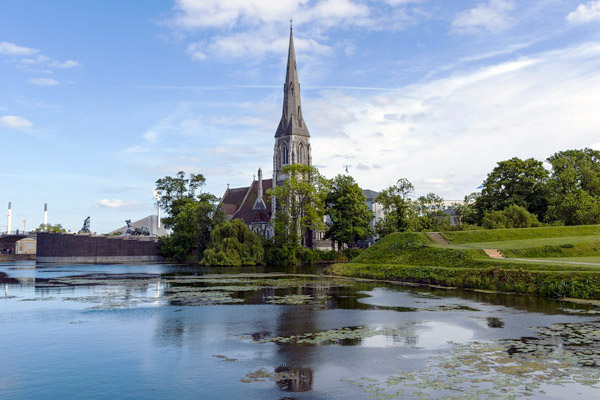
413 257
577 284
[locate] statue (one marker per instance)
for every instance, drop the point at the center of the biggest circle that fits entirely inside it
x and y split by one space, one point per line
131 231
86 226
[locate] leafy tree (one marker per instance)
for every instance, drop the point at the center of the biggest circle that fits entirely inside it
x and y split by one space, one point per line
232 243
175 192
575 187
190 215
513 216
515 181
301 201
429 214
467 214
350 216
397 208
58 228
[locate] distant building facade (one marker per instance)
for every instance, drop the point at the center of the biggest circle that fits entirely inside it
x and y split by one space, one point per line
26 246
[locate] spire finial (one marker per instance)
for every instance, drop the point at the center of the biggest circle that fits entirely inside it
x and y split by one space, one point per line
291 21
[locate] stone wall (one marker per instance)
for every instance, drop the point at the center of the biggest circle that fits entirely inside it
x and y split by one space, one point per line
88 249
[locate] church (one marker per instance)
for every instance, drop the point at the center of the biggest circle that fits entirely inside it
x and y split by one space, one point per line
292 146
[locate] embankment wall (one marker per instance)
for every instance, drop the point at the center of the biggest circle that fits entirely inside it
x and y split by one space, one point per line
88 249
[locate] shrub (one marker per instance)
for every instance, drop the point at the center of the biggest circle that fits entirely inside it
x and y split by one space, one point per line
513 216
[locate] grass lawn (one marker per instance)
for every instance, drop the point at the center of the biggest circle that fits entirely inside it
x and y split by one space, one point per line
594 259
527 243
496 235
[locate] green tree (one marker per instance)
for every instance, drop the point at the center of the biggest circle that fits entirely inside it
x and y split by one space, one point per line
350 216
397 207
300 202
175 192
191 215
515 181
429 214
575 187
513 216
232 243
58 228
467 214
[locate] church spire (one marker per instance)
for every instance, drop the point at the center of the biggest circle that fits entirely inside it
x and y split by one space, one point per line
291 122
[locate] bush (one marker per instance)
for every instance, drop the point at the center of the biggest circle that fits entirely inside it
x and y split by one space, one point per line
513 216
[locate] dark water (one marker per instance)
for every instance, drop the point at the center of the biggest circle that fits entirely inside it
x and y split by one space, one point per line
164 332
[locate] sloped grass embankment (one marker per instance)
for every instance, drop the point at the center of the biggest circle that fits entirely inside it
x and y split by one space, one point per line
412 257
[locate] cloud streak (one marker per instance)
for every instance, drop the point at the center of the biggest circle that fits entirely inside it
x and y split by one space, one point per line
15 121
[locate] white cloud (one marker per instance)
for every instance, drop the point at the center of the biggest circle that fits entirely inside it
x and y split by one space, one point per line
492 17
66 64
150 136
196 51
39 59
253 27
446 135
29 57
595 146
585 13
115 203
11 49
44 81
15 121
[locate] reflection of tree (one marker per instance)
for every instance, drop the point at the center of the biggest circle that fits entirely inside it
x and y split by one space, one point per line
294 374
169 331
292 379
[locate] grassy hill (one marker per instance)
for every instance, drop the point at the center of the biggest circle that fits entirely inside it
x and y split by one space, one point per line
414 257
498 235
547 242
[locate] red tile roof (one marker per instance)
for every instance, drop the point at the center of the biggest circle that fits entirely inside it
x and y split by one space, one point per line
238 202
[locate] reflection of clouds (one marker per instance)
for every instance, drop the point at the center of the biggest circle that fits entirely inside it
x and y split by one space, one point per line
434 335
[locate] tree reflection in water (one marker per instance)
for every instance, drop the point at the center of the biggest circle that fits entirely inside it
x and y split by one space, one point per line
291 379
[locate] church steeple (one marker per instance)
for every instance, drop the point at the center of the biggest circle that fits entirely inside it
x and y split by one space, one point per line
291 122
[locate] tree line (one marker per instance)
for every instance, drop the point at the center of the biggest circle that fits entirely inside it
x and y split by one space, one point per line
516 193
200 232
520 193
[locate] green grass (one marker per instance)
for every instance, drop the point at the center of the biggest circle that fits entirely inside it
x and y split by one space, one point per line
594 259
498 235
413 257
528 243
583 285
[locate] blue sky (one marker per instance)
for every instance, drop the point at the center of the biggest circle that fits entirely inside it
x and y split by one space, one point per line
100 99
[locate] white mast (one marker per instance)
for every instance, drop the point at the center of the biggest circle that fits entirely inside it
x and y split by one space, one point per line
9 218
157 197
45 216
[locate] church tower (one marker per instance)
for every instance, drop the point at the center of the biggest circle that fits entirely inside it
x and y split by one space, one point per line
292 140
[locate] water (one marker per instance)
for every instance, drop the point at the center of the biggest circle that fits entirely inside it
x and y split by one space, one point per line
160 331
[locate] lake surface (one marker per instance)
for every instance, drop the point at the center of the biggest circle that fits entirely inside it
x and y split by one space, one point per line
166 332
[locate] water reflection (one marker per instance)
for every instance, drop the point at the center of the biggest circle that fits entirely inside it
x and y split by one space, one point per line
196 332
293 379
494 322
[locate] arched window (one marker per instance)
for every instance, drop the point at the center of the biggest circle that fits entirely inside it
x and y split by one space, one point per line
301 153
285 155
